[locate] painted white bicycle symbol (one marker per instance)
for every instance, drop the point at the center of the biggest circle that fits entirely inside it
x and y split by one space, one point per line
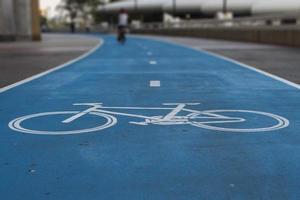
218 120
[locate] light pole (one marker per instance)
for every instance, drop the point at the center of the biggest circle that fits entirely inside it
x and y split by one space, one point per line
135 5
174 7
224 6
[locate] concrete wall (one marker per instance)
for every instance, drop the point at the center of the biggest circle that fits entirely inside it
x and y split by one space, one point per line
19 20
7 25
269 35
22 12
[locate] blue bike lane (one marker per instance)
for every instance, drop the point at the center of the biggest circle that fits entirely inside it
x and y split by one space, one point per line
150 161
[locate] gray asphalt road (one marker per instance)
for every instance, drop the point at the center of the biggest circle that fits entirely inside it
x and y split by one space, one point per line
19 60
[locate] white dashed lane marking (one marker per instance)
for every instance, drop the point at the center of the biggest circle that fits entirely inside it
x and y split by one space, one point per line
154 83
152 62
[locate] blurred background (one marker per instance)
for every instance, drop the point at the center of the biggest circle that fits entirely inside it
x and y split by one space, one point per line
26 19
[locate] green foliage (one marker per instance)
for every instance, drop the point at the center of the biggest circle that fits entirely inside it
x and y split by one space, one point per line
73 7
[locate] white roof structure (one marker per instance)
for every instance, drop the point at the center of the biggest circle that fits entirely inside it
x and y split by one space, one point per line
205 6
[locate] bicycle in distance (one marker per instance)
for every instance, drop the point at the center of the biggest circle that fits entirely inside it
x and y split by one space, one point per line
122 26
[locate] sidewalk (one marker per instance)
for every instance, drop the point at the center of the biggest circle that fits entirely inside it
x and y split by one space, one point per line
20 60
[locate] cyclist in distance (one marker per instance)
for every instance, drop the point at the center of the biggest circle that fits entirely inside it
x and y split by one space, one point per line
122 25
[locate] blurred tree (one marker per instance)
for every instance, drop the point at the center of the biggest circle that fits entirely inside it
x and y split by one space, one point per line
83 7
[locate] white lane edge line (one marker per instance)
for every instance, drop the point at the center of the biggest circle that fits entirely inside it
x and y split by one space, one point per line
290 83
26 80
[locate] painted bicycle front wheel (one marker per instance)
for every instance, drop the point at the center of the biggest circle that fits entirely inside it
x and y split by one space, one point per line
238 121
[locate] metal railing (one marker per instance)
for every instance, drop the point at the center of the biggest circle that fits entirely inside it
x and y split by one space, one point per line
271 20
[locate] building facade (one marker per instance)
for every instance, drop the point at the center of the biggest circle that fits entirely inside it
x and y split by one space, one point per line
153 10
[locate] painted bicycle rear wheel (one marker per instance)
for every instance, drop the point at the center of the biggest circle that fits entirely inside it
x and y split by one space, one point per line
24 125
